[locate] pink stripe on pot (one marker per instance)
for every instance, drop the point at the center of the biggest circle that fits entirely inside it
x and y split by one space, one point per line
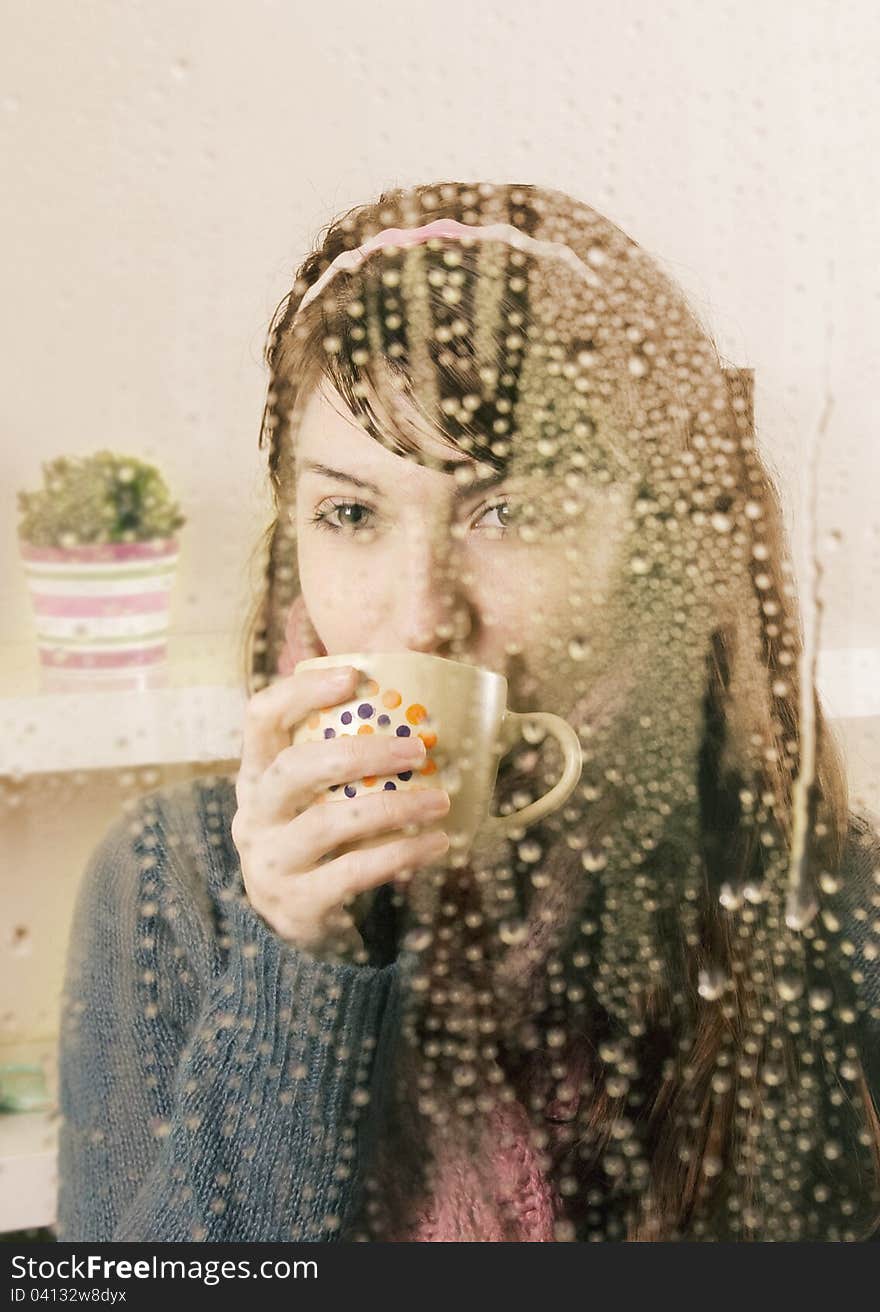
103 660
145 603
82 626
100 552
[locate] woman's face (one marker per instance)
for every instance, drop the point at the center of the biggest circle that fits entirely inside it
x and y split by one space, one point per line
396 555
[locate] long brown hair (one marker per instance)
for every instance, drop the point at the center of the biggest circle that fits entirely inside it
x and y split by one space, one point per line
693 991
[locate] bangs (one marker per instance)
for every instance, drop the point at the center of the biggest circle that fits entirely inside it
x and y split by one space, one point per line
381 393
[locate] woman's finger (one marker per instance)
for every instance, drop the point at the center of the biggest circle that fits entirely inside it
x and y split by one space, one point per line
272 712
321 829
343 878
303 770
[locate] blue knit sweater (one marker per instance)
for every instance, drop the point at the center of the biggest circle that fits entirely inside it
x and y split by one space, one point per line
211 1075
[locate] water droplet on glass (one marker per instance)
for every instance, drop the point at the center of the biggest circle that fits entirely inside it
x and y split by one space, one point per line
417 940
711 983
800 908
20 941
789 987
533 731
729 898
512 931
820 999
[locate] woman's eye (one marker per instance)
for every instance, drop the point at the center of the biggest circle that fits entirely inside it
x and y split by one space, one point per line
502 510
349 516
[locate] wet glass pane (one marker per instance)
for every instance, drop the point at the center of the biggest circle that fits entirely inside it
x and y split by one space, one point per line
494 855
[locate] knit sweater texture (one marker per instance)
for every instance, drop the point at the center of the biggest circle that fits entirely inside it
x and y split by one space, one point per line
212 1076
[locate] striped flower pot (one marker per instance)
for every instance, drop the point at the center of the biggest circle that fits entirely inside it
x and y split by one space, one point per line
102 608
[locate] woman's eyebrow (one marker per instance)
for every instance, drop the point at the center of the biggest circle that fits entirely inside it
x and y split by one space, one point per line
313 467
461 493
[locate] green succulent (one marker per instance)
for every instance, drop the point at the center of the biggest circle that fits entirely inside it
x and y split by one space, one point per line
100 498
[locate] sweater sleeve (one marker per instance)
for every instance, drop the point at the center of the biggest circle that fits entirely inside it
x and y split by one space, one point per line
215 1083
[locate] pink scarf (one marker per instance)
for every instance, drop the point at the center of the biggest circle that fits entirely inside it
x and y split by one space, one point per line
500 1196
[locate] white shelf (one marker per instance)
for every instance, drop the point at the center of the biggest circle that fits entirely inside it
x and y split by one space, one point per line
193 712
99 731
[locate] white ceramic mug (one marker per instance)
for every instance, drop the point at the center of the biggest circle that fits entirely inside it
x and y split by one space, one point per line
461 713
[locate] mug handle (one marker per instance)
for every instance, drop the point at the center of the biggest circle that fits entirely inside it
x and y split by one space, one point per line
497 826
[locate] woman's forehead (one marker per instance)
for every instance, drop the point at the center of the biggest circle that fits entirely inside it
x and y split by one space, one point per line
327 420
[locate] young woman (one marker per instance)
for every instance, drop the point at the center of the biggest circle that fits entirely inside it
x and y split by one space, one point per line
496 433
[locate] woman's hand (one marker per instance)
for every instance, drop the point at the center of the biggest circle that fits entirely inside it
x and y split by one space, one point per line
285 838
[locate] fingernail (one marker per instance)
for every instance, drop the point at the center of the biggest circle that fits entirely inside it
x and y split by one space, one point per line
437 843
410 749
343 675
436 802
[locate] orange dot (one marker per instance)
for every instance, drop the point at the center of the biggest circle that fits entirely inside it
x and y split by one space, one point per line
372 688
369 779
314 719
365 728
391 699
416 713
430 767
429 739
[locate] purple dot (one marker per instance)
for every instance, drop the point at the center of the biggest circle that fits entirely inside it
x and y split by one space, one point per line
345 717
384 719
329 733
403 731
407 774
389 784
365 710
350 790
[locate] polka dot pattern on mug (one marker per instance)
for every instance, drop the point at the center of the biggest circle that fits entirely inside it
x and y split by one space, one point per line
383 711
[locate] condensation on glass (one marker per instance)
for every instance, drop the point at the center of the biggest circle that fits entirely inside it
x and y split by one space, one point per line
643 1017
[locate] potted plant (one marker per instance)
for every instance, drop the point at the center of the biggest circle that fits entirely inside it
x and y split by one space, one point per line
98 546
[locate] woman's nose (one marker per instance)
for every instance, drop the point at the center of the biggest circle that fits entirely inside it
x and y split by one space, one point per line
433 610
